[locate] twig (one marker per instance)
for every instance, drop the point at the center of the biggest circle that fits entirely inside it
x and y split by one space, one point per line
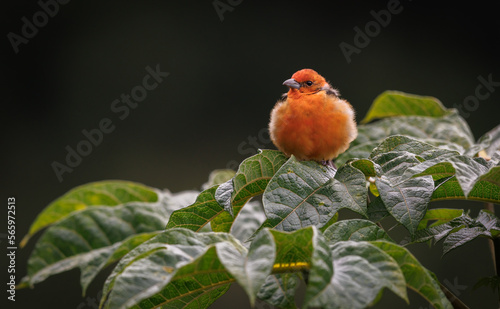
455 301
494 245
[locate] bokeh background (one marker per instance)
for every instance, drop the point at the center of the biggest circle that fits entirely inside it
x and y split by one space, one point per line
225 74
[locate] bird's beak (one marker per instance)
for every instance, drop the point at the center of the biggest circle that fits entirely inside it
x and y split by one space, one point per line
292 83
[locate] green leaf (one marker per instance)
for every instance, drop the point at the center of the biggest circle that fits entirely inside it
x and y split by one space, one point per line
401 143
461 237
299 195
395 158
492 176
377 210
223 196
461 230
493 137
252 269
440 215
204 210
446 185
440 231
186 267
400 158
174 201
394 164
102 193
372 133
304 193
356 230
356 151
395 103
195 285
250 180
123 248
279 290
304 249
92 239
450 131
491 282
436 170
248 221
253 175
321 271
334 219
487 219
483 225
495 158
349 189
466 170
218 177
489 142
293 249
416 276
483 191
367 167
360 271
407 202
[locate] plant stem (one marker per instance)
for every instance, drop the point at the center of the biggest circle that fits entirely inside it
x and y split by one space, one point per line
494 249
455 301
496 255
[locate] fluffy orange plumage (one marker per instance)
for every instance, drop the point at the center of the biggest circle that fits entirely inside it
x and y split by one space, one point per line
311 121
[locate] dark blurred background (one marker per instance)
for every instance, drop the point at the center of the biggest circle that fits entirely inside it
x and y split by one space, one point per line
226 70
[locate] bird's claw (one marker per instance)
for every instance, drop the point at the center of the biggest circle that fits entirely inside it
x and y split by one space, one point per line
327 163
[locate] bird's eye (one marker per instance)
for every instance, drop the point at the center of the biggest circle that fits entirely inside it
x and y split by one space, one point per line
309 83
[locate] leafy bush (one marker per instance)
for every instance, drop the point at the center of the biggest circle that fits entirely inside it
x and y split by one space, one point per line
415 153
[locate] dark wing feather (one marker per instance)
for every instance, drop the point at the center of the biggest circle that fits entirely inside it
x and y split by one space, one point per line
330 90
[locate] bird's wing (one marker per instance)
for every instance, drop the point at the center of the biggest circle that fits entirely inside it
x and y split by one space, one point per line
330 90
333 91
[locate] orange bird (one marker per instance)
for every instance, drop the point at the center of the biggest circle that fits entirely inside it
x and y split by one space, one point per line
311 122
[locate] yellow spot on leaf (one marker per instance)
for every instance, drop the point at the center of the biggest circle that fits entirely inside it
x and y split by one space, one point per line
80 206
168 269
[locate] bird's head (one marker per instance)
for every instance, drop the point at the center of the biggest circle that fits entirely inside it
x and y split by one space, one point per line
307 81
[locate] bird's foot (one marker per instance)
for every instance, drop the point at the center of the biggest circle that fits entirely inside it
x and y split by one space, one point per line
328 163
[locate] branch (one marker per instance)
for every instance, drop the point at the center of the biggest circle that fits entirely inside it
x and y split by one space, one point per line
455 301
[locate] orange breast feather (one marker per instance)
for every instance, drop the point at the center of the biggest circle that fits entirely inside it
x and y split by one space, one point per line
313 126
